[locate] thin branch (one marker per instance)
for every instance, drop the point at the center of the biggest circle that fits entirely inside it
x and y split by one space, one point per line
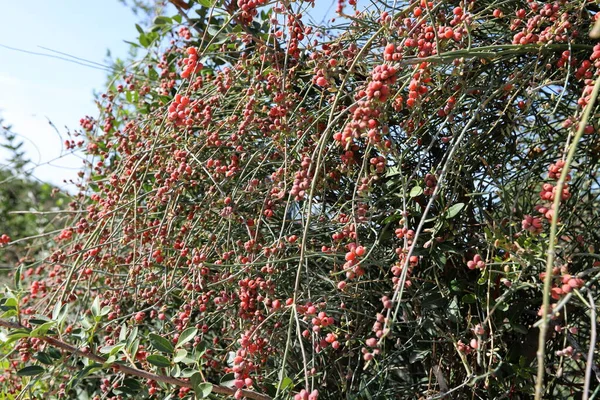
133 371
590 357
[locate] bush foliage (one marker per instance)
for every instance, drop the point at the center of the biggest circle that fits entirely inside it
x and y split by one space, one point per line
401 204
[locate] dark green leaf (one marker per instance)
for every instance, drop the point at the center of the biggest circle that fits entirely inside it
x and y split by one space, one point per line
44 358
54 353
469 298
133 384
161 344
38 321
158 360
31 370
18 276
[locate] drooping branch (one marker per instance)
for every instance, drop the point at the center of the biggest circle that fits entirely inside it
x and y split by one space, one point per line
130 370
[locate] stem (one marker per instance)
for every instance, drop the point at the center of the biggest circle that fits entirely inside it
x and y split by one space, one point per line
590 357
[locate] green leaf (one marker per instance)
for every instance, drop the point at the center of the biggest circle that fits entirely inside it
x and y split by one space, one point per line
158 360
112 350
144 41
9 314
54 353
131 43
96 307
469 298
519 328
206 3
31 370
186 336
56 310
38 321
392 218
228 380
132 335
416 191
206 388
161 344
123 333
177 18
162 20
200 350
133 347
60 311
42 329
417 355
454 210
201 388
18 273
285 383
43 358
109 361
483 278
180 355
10 304
187 372
139 28
214 30
13 337
86 323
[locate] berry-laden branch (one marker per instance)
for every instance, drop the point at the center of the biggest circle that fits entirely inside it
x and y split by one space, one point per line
133 371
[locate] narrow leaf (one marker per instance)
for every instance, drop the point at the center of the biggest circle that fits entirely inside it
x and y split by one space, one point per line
31 370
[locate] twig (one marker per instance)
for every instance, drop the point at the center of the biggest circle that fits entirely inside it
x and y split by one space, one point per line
590 357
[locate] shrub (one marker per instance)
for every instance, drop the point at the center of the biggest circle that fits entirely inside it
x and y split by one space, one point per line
381 209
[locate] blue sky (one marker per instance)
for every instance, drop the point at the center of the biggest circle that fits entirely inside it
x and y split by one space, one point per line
35 89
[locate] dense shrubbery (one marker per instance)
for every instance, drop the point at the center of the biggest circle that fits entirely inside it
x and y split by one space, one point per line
369 212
